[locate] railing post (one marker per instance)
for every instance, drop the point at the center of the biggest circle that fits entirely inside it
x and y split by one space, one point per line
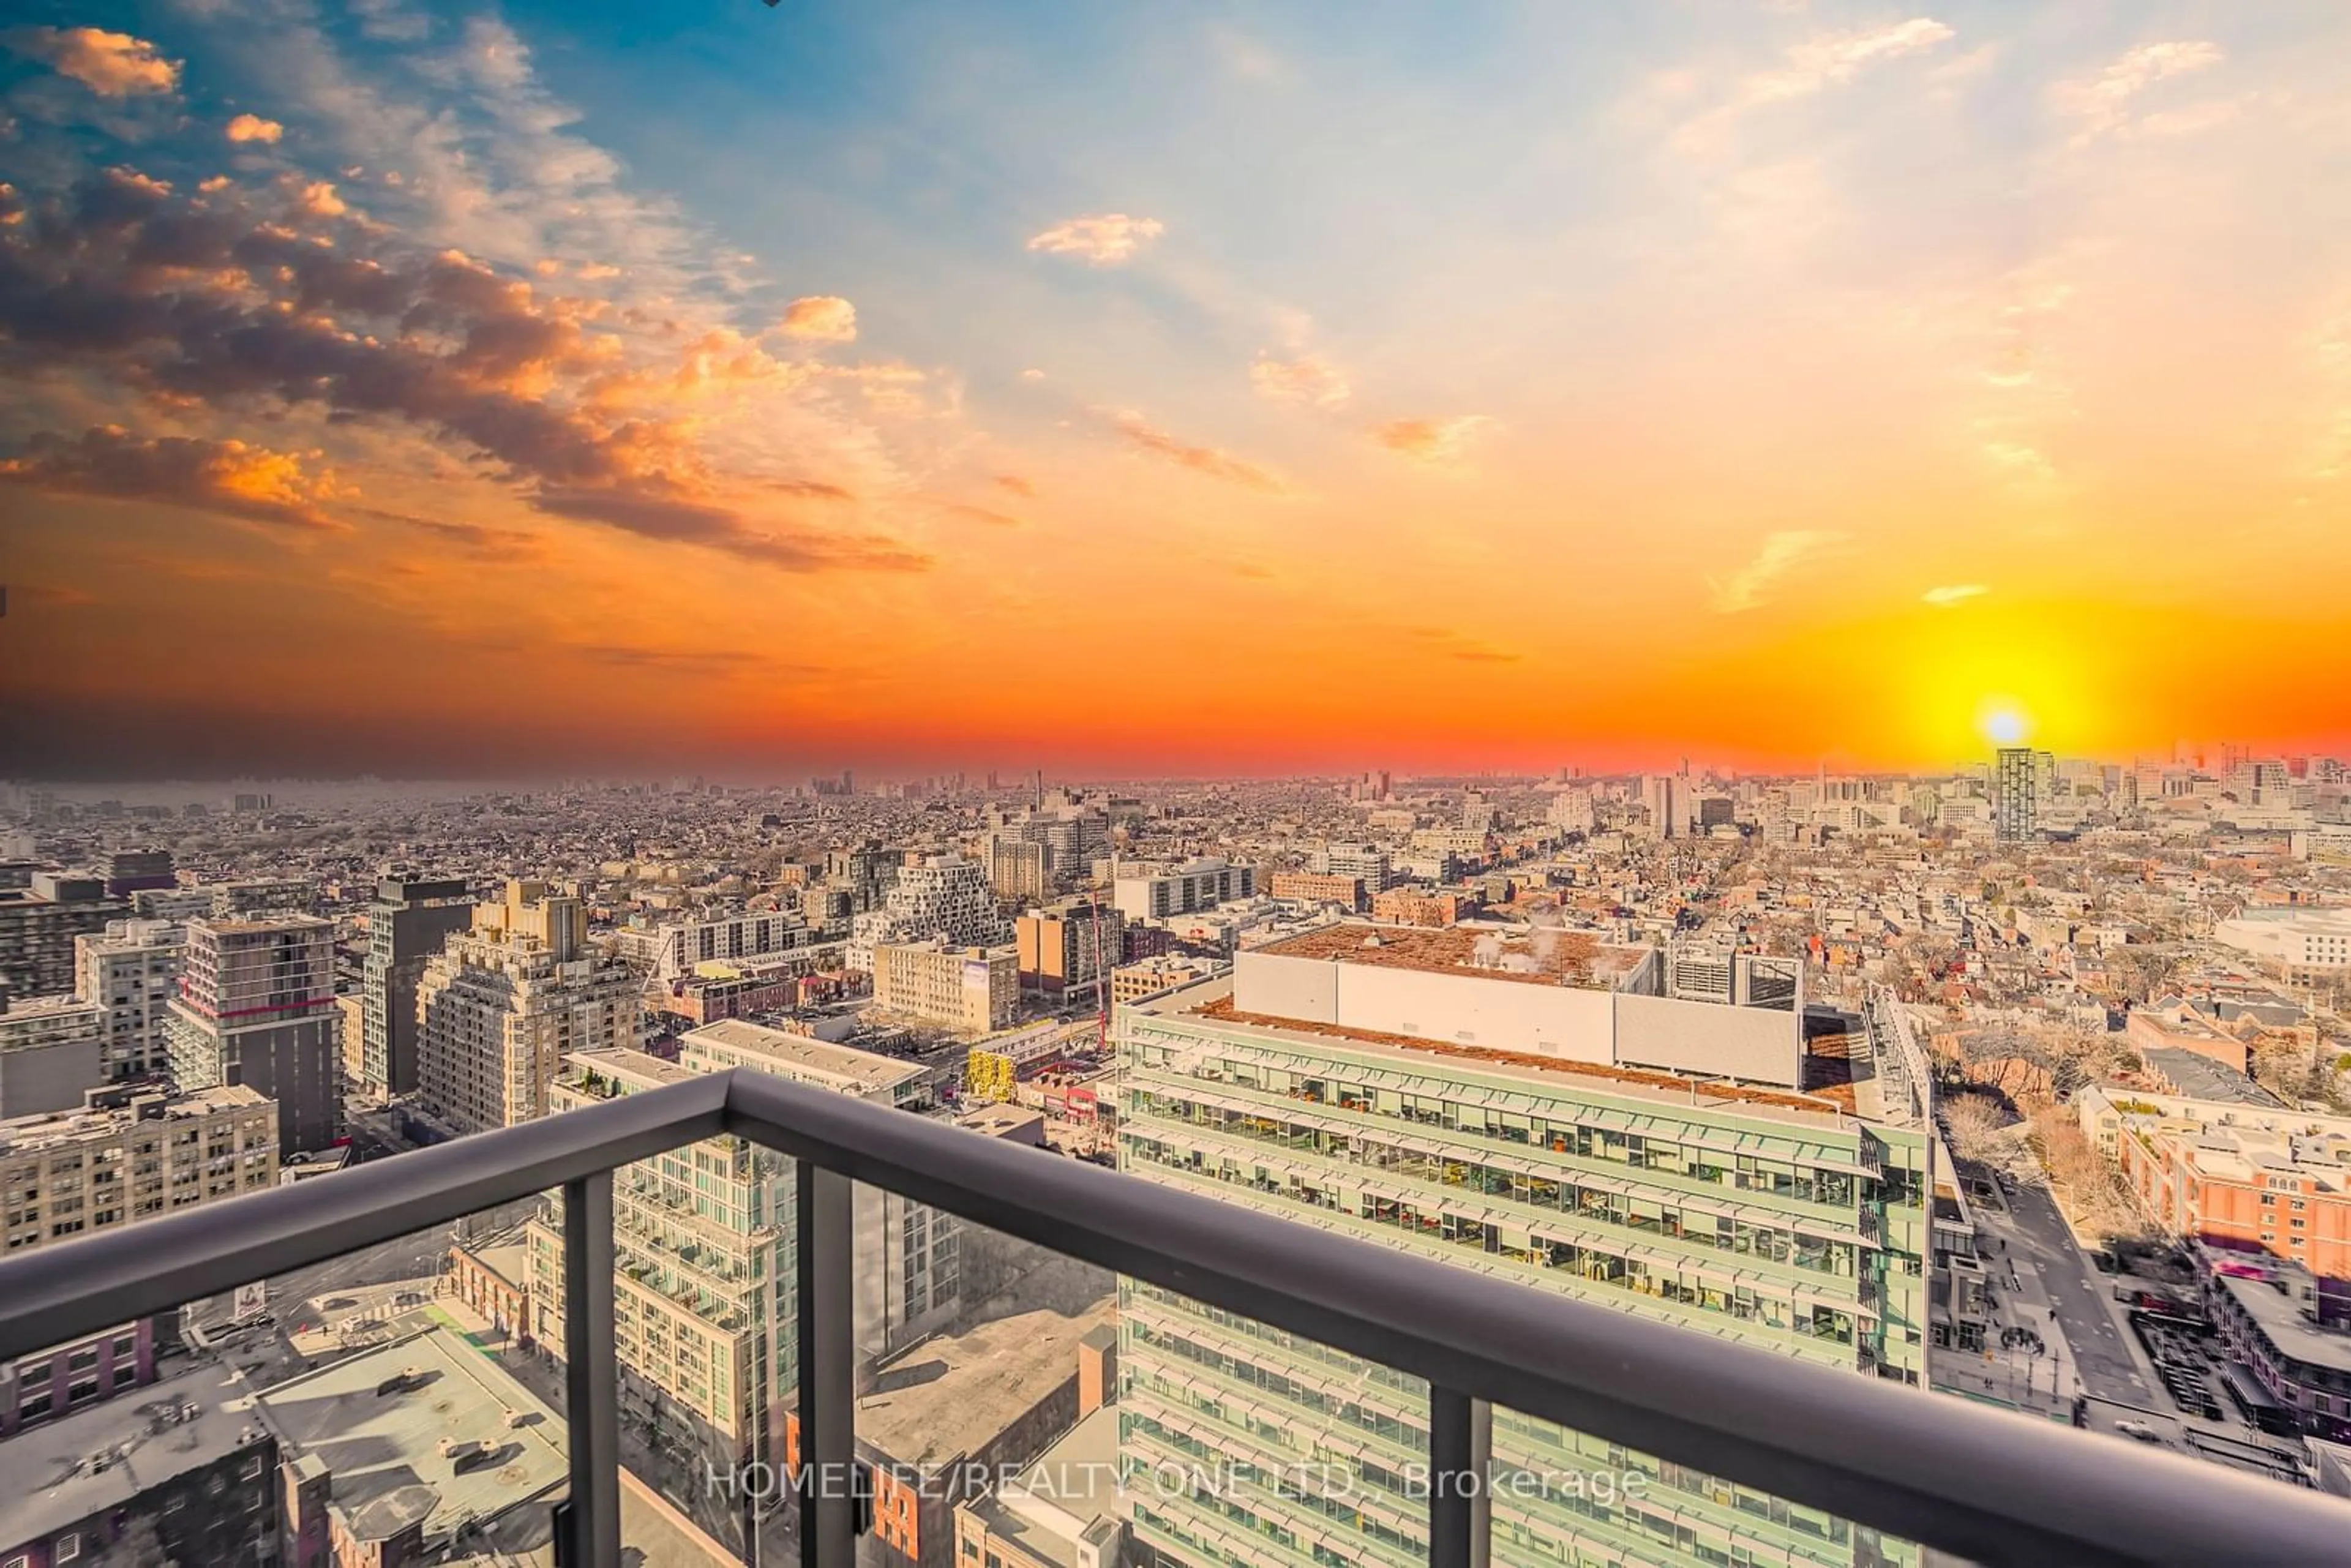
828 1393
589 1525
1460 1434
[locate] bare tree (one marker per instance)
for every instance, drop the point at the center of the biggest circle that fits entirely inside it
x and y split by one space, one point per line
1982 1132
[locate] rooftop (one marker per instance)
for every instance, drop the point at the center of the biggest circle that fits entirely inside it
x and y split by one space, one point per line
1212 1000
625 1061
29 1008
263 926
948 1397
805 1057
1072 1484
2279 1317
24 1133
184 1423
1540 956
383 1448
2201 1077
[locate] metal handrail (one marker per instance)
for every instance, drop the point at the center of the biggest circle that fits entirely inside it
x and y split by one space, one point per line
1983 1484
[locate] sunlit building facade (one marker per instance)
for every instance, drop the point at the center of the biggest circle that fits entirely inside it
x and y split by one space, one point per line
1778 1220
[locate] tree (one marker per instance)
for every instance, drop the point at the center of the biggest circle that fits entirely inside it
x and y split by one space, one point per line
1982 1132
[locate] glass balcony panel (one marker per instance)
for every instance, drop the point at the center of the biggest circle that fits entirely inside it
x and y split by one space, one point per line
407 1396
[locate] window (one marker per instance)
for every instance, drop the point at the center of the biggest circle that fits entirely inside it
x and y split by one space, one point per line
68 1548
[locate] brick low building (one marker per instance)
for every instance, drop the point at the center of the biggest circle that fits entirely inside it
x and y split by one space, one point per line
2245 1177
1309 887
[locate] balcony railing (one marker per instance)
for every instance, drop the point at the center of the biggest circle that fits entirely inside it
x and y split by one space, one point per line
1974 1482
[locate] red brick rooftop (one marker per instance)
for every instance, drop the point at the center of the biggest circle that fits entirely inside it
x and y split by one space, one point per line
1548 956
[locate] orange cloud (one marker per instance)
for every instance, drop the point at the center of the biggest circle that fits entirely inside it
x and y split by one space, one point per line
982 515
112 65
228 479
1431 440
1016 483
1205 460
1304 379
1103 241
820 318
253 128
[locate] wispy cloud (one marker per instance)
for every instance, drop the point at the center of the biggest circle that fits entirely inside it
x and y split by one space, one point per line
1104 241
982 515
1446 643
1833 59
1206 460
111 64
2103 102
1432 439
1780 554
1815 66
1943 598
1304 379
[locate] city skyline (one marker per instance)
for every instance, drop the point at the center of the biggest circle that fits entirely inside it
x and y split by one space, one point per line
558 391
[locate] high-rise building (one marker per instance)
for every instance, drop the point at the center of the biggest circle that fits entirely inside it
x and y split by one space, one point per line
1785 1220
257 1007
38 923
411 920
2016 791
1671 801
52 1049
1017 870
704 1238
975 989
502 1004
946 896
1067 951
1571 812
132 971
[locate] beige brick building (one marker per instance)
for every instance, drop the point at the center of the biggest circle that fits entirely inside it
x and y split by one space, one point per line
975 989
501 1006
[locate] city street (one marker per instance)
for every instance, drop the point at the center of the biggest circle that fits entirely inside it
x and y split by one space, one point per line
2107 1357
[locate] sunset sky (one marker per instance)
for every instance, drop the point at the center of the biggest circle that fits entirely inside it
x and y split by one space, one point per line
1168 388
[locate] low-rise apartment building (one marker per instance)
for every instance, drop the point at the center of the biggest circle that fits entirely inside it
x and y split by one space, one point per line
2247 1177
1308 887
